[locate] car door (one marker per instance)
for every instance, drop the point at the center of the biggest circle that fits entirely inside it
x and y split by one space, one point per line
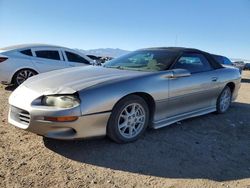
195 92
74 60
48 59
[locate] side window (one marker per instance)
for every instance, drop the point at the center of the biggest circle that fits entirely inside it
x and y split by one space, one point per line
219 59
26 52
72 57
227 61
194 63
48 54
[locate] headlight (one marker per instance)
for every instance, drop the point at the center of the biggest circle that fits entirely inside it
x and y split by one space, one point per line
61 101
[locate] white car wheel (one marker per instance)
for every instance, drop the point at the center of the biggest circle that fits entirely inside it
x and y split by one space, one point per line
23 75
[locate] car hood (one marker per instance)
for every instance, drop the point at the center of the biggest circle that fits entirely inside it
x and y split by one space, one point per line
71 80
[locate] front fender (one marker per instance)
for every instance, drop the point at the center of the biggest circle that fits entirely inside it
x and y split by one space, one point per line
102 98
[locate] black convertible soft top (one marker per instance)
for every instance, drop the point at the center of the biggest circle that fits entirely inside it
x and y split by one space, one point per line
181 50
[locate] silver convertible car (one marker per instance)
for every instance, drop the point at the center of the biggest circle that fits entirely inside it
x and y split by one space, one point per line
152 87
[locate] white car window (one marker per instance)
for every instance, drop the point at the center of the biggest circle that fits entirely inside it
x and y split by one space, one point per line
26 52
48 54
72 57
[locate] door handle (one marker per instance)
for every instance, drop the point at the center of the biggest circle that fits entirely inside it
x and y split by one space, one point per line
214 79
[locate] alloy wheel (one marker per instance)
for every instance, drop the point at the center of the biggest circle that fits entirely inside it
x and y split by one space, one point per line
24 75
131 120
225 100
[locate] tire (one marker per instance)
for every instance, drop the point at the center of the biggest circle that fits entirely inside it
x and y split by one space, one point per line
126 125
22 75
224 100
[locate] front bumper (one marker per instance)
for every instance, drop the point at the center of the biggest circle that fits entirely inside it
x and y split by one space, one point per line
26 113
84 127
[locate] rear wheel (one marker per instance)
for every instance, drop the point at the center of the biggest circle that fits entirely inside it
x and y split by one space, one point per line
23 75
224 100
129 119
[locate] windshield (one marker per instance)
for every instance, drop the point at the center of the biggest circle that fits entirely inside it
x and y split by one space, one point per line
143 60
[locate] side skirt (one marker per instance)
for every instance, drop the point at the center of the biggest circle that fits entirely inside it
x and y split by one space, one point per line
174 119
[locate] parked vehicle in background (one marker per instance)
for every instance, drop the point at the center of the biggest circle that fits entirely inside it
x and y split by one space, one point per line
239 64
99 59
18 63
150 87
225 61
247 66
107 58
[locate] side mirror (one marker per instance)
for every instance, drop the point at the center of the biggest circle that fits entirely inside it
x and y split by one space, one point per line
177 73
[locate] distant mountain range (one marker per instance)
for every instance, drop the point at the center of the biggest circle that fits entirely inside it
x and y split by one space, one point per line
110 52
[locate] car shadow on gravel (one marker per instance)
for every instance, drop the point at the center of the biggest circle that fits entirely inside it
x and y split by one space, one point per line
10 88
214 147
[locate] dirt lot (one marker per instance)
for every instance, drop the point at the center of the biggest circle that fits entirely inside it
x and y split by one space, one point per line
207 151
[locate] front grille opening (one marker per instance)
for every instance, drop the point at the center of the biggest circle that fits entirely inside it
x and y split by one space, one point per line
24 117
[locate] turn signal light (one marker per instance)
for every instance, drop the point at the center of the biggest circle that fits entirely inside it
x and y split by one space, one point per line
61 119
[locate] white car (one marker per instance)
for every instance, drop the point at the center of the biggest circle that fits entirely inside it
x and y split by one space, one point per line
18 63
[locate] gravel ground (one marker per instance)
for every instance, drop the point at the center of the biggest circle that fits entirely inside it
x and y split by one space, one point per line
207 151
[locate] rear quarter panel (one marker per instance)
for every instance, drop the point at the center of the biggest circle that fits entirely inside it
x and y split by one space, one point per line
15 62
229 75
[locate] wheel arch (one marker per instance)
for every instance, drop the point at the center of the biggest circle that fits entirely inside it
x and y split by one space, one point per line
231 85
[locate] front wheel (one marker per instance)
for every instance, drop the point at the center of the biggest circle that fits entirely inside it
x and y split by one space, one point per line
224 100
22 75
129 119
